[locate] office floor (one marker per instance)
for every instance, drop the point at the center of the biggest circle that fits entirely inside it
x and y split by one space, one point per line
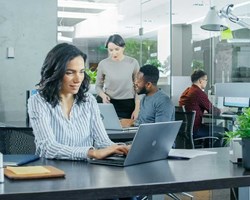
206 195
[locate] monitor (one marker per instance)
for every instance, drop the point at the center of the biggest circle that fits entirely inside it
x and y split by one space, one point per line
237 102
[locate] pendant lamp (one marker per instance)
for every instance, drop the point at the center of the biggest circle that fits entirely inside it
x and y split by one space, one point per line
213 22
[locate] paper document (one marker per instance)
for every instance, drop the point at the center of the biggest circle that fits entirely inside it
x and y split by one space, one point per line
29 170
189 153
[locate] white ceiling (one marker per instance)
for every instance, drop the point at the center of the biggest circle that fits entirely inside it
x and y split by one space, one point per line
155 13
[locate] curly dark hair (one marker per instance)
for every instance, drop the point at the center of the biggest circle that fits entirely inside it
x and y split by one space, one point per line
53 71
150 73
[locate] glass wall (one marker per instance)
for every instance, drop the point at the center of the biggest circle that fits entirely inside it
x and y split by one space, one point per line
224 55
146 29
145 26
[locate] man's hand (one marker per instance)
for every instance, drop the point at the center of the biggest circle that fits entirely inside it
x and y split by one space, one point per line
135 114
127 122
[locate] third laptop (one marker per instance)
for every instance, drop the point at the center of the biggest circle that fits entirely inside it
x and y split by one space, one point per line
110 118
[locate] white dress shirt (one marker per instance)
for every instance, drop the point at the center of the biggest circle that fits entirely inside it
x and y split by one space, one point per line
59 137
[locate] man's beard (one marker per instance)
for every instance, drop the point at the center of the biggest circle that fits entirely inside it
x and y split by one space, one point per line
143 91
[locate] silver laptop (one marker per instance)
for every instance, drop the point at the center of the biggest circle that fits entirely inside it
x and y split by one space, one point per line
152 142
110 118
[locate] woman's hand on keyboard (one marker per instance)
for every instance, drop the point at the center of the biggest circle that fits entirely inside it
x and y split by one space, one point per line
102 153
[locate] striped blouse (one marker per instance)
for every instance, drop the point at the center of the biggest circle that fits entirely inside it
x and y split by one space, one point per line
58 137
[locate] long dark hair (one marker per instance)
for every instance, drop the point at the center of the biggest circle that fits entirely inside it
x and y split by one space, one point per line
53 71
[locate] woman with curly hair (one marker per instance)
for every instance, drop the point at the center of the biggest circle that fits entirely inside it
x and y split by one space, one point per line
65 118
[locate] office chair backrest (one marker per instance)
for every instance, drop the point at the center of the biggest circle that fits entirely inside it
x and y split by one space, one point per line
184 139
29 93
180 108
17 142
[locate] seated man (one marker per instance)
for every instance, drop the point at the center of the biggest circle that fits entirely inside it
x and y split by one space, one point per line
195 99
155 106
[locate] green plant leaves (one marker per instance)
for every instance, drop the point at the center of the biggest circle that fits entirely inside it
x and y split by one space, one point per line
92 75
243 126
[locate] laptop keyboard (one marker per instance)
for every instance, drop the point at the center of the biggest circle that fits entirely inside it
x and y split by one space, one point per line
115 159
111 162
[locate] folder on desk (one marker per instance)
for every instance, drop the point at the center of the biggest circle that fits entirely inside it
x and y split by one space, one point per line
18 159
33 172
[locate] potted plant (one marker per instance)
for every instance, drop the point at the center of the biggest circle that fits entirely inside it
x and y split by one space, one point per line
242 131
92 75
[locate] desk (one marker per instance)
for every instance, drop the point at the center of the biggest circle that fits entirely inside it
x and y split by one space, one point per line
229 119
222 116
87 181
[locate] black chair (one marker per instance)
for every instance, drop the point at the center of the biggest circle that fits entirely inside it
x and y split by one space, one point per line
29 93
206 142
180 108
184 138
13 141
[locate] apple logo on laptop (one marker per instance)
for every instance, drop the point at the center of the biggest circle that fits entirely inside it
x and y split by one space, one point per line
154 143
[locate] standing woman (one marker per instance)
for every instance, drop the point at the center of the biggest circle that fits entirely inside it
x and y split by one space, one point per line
115 79
65 118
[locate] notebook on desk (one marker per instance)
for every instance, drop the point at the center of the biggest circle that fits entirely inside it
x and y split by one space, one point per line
152 142
110 118
18 159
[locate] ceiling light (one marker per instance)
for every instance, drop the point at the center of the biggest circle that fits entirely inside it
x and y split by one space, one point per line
213 22
65 28
74 15
81 4
61 38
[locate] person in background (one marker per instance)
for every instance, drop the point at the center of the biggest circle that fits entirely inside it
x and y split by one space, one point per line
155 105
65 118
115 79
195 99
